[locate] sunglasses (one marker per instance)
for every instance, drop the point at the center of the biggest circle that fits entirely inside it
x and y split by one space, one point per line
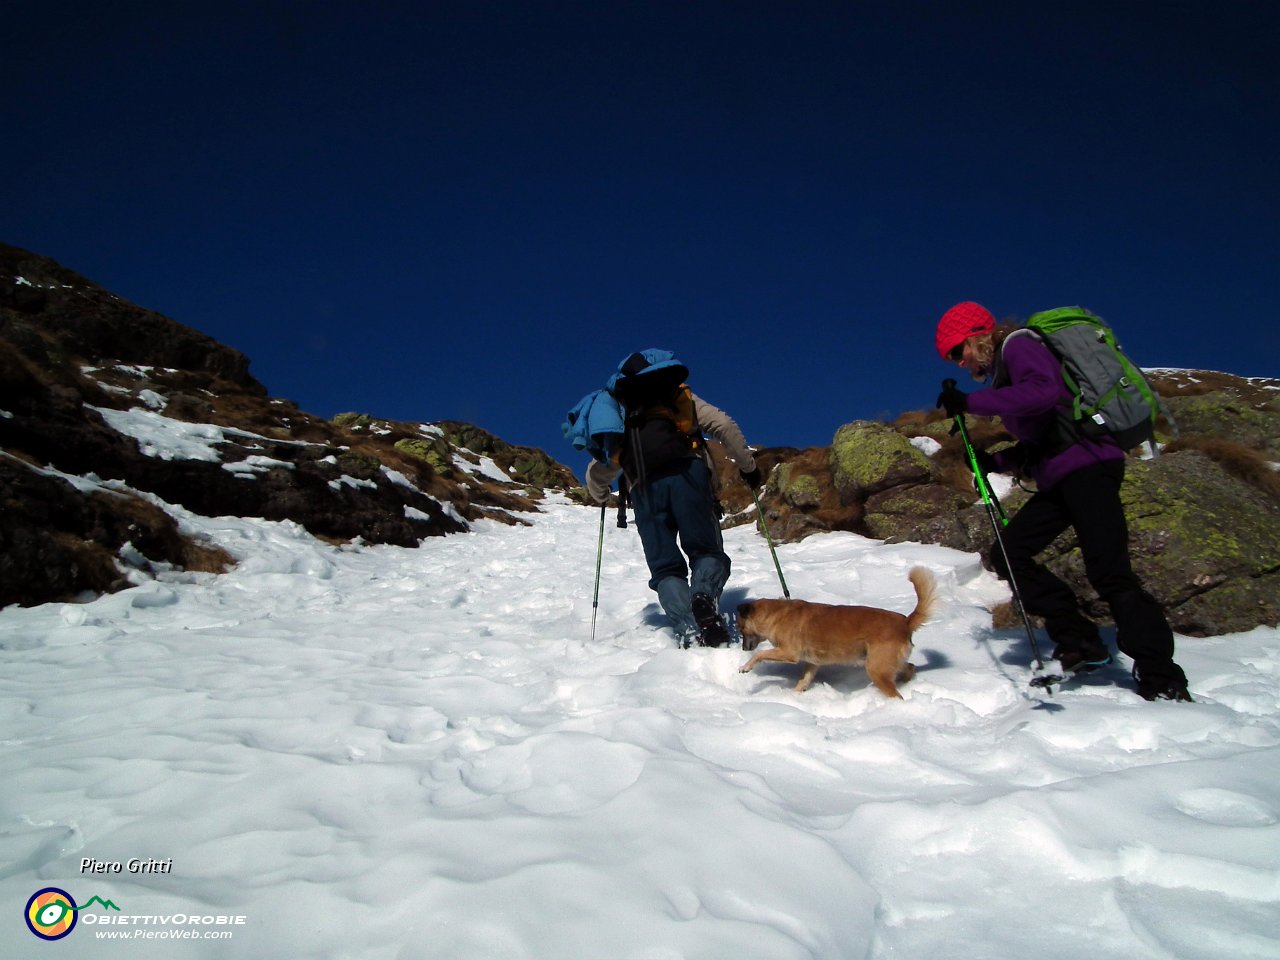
957 353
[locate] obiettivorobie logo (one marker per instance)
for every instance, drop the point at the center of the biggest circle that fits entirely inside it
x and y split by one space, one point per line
52 913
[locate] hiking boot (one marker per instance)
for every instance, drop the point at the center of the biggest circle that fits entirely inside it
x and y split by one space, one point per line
1173 691
714 632
1084 659
1163 689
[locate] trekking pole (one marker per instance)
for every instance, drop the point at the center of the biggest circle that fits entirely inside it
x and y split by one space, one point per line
765 527
998 519
988 495
595 601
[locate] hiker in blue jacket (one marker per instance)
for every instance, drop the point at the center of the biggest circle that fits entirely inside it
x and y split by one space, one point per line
1077 485
673 489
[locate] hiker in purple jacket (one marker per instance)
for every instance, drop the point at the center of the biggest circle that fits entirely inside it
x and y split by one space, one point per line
1078 485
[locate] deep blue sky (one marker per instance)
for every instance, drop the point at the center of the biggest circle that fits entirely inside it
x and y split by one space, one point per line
474 210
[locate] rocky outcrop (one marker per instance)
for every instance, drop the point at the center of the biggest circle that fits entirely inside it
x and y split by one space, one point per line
868 458
1205 543
111 413
53 314
1230 415
1204 517
61 538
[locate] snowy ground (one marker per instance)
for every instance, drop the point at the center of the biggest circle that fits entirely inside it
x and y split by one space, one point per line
389 753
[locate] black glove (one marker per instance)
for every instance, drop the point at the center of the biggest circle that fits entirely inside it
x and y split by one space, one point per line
752 478
986 462
952 400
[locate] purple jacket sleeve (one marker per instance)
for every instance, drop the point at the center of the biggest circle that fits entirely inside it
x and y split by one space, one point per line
1027 405
1035 388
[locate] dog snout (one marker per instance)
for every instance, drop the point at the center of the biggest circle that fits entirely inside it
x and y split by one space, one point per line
750 639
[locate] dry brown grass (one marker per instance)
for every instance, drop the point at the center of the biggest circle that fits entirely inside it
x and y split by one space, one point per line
915 421
1257 391
157 532
1243 463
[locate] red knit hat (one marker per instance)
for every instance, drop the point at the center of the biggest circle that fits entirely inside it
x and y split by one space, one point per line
961 322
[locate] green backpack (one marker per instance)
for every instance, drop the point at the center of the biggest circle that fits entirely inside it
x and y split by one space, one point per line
1110 395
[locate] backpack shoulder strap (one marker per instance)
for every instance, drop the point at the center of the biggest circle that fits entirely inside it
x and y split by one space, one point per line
1000 375
1022 331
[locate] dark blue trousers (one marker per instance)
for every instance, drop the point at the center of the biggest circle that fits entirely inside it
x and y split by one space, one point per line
676 516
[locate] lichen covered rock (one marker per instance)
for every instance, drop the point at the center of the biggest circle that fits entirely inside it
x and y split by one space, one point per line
867 457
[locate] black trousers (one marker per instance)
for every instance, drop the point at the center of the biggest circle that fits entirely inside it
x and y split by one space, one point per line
1089 501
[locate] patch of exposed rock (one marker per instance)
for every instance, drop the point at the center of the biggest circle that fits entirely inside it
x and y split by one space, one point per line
109 413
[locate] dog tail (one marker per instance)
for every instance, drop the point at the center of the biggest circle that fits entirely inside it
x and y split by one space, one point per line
926 595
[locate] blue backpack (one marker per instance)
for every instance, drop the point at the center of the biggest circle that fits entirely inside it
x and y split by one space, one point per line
645 374
595 425
598 421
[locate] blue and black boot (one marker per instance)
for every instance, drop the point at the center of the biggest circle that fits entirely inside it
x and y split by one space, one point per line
706 613
1168 685
1085 658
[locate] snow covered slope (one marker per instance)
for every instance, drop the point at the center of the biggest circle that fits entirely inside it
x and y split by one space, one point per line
384 753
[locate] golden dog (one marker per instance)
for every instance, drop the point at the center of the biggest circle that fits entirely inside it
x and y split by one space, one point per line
817 634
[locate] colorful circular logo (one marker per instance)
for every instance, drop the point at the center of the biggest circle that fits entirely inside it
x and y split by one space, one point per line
51 913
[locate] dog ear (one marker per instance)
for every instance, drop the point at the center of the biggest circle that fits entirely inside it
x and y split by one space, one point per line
744 609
